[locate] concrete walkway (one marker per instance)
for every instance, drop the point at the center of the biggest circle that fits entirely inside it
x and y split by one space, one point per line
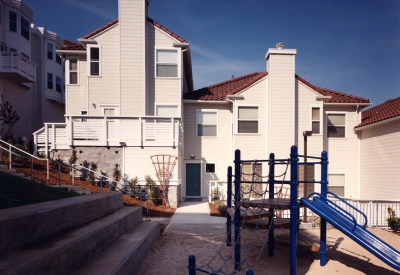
193 218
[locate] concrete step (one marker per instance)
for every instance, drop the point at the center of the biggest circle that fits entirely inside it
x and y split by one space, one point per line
29 223
66 252
6 170
76 188
125 255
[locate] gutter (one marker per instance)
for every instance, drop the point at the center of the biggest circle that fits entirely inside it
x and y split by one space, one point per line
205 101
348 104
70 52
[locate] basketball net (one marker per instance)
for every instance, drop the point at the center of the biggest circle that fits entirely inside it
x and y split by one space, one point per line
164 165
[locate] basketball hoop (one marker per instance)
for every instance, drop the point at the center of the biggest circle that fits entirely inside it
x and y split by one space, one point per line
164 165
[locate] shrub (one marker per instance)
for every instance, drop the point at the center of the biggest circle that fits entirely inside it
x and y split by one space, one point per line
152 189
73 158
222 208
55 161
93 168
215 194
393 221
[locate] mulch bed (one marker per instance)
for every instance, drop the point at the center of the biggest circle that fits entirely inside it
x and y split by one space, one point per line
39 173
214 211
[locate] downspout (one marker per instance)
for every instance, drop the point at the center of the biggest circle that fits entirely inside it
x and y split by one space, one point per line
358 154
232 133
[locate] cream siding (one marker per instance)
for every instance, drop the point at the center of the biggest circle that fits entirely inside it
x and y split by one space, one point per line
164 90
216 150
77 95
379 165
281 87
132 20
343 152
104 89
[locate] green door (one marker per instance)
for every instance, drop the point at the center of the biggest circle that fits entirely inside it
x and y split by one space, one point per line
193 180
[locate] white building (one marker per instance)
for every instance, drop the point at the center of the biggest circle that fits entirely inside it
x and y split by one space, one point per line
129 95
25 67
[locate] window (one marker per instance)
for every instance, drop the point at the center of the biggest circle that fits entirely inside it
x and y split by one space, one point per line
336 125
252 171
0 15
167 110
3 47
73 71
247 120
13 21
25 55
210 167
58 59
94 57
50 51
167 63
336 184
315 120
24 28
13 50
50 81
84 113
58 84
206 123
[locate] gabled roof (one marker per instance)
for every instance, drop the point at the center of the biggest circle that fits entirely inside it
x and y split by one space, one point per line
72 46
156 24
219 91
388 109
336 97
230 87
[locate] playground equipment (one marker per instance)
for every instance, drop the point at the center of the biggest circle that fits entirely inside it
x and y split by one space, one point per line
164 165
327 209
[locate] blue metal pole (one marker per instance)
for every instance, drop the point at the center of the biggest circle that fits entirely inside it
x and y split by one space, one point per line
192 265
271 189
249 272
237 209
229 205
293 209
324 189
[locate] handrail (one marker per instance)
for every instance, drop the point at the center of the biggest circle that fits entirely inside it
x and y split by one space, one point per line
342 209
26 153
103 177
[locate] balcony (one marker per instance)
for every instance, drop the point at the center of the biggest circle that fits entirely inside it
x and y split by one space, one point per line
17 69
110 131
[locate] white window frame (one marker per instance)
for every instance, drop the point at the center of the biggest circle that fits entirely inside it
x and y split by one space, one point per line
320 119
89 62
215 167
48 52
157 104
237 119
206 111
48 80
344 186
68 71
82 114
345 124
178 53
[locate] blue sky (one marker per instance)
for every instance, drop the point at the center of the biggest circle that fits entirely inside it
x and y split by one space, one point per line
348 46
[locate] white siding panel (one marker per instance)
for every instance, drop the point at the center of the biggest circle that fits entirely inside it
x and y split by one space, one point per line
379 165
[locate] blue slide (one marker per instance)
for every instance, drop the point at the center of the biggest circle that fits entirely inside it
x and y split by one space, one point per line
345 222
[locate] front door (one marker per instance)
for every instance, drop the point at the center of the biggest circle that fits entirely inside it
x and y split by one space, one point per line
193 178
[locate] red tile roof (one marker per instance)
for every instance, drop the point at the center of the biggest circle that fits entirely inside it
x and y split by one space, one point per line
230 87
336 97
221 90
72 46
386 110
161 27
99 30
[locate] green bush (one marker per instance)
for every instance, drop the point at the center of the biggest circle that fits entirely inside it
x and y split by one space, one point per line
222 208
393 221
153 190
93 168
55 161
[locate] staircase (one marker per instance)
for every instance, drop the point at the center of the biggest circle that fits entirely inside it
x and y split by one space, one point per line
91 234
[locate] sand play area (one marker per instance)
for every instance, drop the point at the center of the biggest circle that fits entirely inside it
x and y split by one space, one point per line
170 254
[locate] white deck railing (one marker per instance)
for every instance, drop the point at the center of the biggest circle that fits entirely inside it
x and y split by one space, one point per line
109 131
12 62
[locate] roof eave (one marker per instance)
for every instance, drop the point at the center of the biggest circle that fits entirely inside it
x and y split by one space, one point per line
377 123
205 101
71 52
348 104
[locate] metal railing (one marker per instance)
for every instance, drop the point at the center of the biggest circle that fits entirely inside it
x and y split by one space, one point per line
14 62
12 150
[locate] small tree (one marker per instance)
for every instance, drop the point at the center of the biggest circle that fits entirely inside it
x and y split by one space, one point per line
8 116
393 221
73 158
153 192
93 168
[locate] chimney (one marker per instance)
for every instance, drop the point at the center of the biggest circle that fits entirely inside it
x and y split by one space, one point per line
281 94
